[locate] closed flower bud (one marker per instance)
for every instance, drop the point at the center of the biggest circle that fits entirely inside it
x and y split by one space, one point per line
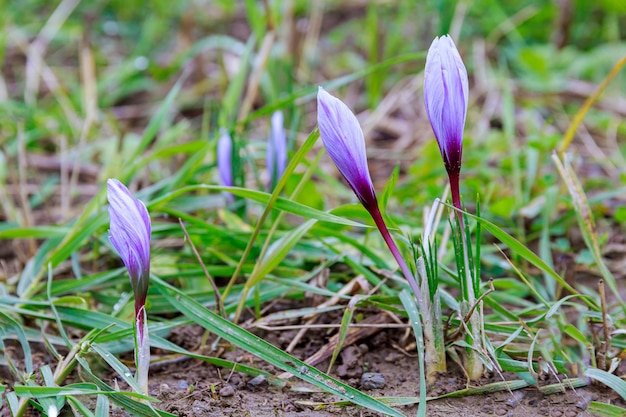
276 149
343 138
129 234
225 158
446 96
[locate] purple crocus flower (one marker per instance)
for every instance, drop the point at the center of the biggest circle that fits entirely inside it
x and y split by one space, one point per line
446 97
225 161
129 234
276 149
225 157
344 141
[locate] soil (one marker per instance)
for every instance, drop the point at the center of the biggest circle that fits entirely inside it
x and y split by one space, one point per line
194 388
218 392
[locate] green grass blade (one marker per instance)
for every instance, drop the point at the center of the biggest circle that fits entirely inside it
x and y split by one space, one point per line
519 248
121 369
277 252
281 203
37 232
586 222
82 388
10 326
231 99
487 389
102 406
605 410
410 305
13 402
122 399
81 408
615 383
343 329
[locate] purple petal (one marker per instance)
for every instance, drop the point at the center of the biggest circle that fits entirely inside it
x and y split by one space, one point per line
276 149
446 98
343 139
225 158
129 234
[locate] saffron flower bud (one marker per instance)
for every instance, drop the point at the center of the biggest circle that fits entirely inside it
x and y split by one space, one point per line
225 161
276 149
225 158
446 97
344 141
129 234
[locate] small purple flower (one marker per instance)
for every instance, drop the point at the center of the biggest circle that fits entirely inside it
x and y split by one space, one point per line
276 149
446 96
344 141
129 234
225 158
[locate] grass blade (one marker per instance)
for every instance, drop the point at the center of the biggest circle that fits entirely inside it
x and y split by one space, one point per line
606 410
410 305
615 383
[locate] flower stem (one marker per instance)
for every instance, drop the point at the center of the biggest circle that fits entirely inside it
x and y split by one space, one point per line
456 198
384 231
474 366
142 351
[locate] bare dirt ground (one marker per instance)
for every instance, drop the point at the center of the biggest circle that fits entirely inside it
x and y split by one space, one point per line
222 393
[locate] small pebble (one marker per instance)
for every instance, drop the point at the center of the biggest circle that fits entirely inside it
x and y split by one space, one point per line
516 398
501 411
393 357
256 382
227 391
162 389
373 380
182 384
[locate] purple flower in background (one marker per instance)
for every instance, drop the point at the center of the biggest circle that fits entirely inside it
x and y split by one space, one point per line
225 157
344 141
276 149
129 234
446 97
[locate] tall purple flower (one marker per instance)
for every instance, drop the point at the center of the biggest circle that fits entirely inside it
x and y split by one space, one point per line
129 234
276 149
344 141
446 97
